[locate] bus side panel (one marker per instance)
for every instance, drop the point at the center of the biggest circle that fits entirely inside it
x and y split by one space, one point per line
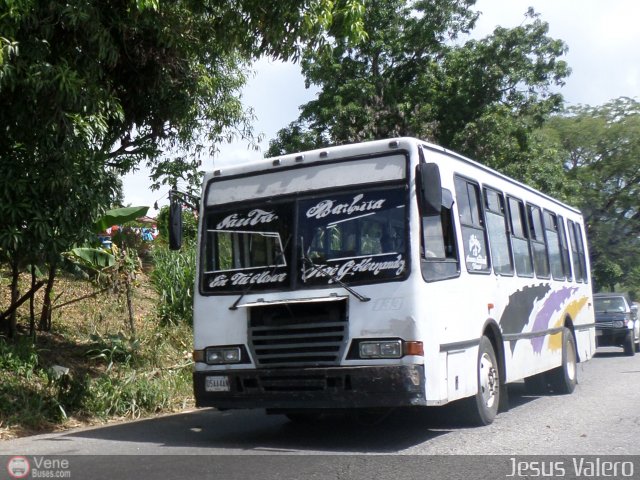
453 312
461 365
538 347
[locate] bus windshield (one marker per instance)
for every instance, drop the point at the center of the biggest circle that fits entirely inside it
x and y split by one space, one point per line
356 238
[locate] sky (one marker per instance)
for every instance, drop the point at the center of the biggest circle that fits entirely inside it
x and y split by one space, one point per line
604 55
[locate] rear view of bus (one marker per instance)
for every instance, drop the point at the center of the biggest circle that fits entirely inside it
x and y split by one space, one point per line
316 289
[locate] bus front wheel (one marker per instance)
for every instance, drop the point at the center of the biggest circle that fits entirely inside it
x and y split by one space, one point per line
484 405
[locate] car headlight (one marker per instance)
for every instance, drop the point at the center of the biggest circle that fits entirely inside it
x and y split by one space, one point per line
222 355
618 324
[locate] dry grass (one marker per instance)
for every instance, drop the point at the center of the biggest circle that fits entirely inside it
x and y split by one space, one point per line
112 373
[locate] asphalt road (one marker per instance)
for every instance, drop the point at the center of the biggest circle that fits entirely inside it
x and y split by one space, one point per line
602 417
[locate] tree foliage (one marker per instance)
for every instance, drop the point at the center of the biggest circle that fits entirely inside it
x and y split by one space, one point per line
600 149
89 89
414 76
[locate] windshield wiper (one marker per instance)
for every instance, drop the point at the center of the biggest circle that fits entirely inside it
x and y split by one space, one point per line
317 268
234 306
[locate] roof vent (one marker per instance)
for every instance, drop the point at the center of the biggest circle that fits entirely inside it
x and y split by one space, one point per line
276 162
299 158
217 173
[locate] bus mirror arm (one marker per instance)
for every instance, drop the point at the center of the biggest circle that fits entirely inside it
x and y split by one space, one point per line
316 268
185 198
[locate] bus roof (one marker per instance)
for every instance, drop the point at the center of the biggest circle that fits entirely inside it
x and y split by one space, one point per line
310 157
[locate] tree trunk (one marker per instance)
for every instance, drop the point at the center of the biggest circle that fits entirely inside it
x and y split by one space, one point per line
6 315
45 316
32 305
129 295
15 295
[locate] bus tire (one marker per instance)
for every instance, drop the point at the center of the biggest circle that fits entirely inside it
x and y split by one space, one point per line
483 407
565 378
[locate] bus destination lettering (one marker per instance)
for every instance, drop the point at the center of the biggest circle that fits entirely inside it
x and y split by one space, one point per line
329 207
352 267
254 217
239 278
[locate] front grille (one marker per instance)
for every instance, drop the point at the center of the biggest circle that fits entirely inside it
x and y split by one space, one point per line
618 323
298 334
604 325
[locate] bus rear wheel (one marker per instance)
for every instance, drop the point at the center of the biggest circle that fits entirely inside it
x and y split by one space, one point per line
564 378
483 407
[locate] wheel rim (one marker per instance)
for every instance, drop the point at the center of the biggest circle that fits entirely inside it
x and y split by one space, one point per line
571 361
488 380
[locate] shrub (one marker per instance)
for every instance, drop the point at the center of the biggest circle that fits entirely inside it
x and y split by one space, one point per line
173 278
29 396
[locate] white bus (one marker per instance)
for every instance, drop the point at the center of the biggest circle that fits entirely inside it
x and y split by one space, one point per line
384 274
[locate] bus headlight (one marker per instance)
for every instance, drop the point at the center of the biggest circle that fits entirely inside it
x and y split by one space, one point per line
381 349
220 355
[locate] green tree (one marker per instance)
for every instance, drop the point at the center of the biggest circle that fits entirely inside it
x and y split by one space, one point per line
90 89
484 98
600 149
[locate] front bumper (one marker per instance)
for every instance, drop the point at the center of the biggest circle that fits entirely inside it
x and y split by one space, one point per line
317 388
611 337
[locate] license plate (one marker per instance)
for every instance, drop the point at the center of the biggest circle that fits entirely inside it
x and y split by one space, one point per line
216 384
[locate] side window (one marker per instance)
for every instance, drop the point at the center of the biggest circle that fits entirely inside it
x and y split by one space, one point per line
553 243
577 252
520 238
538 242
498 232
439 258
582 253
564 248
473 232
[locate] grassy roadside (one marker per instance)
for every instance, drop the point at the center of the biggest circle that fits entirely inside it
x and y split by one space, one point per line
90 369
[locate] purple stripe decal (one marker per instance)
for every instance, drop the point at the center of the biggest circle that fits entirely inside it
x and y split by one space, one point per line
552 304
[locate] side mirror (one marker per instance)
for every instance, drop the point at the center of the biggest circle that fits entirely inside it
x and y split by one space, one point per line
429 188
175 221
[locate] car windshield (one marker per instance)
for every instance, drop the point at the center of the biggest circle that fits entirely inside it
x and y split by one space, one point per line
610 304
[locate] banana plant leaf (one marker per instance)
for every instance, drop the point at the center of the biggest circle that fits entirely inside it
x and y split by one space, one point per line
94 258
118 216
